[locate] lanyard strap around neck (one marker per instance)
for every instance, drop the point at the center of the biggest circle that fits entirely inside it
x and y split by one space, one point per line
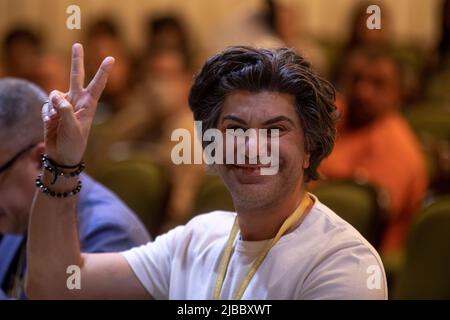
288 223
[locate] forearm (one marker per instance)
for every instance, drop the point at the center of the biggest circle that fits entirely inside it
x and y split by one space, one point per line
53 243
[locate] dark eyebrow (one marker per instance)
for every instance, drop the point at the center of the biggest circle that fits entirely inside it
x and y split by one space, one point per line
279 119
266 123
234 118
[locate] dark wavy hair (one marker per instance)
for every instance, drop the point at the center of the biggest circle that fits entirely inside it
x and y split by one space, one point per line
277 70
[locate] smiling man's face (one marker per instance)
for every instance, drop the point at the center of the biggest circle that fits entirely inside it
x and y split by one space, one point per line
264 110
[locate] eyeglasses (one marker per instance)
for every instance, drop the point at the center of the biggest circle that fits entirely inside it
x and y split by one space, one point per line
10 162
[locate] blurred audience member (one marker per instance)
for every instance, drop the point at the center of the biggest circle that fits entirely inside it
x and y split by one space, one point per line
274 23
246 26
24 57
53 73
411 57
361 36
159 98
284 21
167 32
168 83
375 143
21 52
105 224
159 106
104 39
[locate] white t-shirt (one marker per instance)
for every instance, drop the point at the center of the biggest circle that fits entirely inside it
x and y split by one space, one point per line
323 258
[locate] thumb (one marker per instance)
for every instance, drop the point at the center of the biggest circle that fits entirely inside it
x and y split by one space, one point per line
63 108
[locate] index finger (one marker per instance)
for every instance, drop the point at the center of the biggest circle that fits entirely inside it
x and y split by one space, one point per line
77 69
96 86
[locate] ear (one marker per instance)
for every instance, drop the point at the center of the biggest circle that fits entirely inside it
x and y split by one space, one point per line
306 160
36 153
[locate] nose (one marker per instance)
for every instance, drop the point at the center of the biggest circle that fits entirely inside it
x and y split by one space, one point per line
251 147
246 147
258 146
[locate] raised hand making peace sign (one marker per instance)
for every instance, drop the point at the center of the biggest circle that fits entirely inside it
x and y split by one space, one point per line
68 116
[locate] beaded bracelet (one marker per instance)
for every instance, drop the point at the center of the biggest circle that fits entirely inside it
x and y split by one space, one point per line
55 168
40 185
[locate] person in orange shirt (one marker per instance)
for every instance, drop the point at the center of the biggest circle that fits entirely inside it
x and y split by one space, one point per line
374 141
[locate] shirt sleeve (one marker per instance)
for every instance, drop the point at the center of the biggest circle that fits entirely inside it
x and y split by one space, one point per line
112 237
152 263
3 295
350 272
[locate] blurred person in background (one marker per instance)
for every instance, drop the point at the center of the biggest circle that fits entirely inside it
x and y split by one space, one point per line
103 38
273 23
159 106
24 57
168 81
155 107
361 36
375 144
168 32
104 223
22 49
284 21
246 26
53 72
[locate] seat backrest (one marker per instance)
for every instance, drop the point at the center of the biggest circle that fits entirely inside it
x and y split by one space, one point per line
358 204
426 271
213 195
142 185
430 122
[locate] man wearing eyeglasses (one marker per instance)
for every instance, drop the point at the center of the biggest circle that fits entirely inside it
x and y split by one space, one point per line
105 224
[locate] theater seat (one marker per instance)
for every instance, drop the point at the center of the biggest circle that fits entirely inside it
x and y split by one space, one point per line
360 205
433 120
142 185
213 195
437 89
426 272
432 126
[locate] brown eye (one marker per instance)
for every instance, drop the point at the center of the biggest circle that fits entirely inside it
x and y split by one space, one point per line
235 130
275 131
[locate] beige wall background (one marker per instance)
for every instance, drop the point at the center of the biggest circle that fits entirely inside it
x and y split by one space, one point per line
413 21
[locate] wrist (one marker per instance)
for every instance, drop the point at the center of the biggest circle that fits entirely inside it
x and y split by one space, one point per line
60 170
59 180
64 160
60 185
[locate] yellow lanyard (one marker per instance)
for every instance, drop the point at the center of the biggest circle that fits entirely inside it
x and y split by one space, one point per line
288 223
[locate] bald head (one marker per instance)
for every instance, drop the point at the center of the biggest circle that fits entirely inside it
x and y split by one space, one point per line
20 113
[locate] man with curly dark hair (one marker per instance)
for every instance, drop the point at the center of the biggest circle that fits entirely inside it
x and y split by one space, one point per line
281 243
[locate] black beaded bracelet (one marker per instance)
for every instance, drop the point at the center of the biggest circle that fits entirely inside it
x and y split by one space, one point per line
55 168
40 185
